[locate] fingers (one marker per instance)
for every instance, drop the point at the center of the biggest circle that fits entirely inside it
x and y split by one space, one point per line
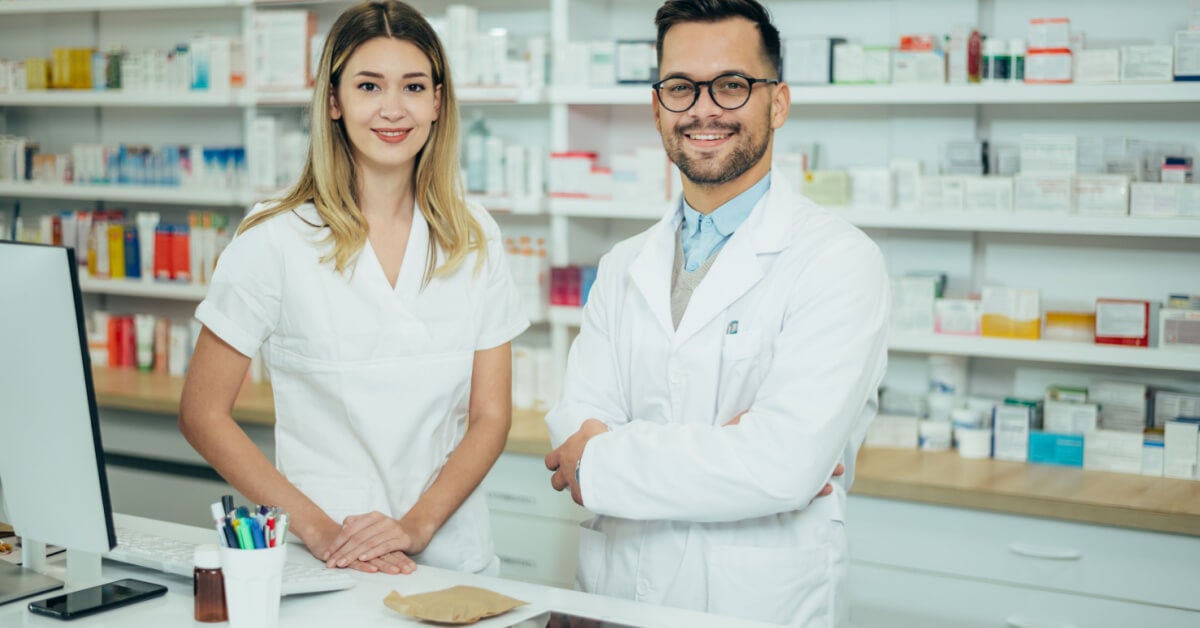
552 460
839 470
737 419
370 532
825 492
559 481
396 563
350 526
385 544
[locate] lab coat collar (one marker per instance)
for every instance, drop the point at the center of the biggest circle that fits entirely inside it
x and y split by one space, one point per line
736 269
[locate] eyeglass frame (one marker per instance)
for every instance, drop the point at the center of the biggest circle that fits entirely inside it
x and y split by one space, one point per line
696 85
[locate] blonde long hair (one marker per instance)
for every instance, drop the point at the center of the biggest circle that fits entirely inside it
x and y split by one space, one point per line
329 175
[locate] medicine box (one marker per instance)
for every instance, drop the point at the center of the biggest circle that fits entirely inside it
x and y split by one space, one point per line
1126 322
1179 329
1060 449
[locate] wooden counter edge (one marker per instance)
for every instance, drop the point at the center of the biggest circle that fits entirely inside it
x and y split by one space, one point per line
141 392
1030 505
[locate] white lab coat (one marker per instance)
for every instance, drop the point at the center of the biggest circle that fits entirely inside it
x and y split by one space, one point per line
372 384
790 322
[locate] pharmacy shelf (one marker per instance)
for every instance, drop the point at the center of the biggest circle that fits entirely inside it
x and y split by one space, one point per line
1024 222
525 206
592 208
1047 351
934 94
143 288
127 194
86 6
1010 222
119 98
467 95
1001 348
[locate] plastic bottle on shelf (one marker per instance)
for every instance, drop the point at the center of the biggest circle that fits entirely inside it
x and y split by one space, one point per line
476 155
1016 52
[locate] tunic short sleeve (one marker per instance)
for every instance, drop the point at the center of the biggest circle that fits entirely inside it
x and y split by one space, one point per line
242 306
501 312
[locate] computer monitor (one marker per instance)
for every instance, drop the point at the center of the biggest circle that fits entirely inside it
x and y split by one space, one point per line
53 488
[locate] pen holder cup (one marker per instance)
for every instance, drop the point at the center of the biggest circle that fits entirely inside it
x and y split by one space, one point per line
253 578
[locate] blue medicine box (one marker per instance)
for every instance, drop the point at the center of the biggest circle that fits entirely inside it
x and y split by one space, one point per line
1051 448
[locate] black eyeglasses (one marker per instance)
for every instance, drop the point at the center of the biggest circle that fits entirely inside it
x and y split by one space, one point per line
730 91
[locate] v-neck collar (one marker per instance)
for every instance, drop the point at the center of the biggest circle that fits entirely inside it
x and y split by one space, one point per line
412 266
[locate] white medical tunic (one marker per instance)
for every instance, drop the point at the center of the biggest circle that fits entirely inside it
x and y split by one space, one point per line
372 383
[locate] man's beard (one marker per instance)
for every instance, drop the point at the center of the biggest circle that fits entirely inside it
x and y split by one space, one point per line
744 156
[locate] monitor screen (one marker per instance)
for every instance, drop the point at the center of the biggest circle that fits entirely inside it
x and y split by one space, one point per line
52 472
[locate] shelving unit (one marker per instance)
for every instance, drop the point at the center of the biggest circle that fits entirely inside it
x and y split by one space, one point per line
86 6
195 196
1002 94
117 98
148 289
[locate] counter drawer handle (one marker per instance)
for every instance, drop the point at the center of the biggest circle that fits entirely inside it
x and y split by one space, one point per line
1048 553
1021 622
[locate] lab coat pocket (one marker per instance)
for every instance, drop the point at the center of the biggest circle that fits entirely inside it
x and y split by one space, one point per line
591 558
739 346
784 585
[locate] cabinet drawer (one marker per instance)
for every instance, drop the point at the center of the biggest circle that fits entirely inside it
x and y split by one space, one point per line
536 549
1134 565
885 597
520 484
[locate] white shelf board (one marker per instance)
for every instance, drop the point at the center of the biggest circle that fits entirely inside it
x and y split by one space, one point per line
1025 350
119 98
1013 222
471 94
569 316
143 288
126 193
88 6
921 94
1047 351
593 208
1024 222
526 206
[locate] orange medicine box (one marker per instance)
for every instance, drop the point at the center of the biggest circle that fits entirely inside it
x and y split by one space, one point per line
1011 313
1069 326
1124 322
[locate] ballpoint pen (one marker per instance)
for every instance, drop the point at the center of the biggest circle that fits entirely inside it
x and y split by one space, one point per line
219 521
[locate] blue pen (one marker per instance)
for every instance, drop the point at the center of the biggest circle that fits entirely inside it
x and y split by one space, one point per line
256 532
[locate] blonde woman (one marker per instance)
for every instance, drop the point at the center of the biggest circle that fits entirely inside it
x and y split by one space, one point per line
384 309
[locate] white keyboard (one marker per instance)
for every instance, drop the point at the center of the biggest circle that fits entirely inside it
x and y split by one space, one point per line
175 557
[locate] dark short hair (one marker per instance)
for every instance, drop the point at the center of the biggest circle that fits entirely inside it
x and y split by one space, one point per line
674 12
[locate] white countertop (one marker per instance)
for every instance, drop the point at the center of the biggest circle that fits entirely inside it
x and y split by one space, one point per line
359 606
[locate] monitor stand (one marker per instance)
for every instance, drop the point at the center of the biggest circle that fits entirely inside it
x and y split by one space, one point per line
29 579
17 582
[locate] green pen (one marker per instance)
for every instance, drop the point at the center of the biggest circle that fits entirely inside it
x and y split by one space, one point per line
243 530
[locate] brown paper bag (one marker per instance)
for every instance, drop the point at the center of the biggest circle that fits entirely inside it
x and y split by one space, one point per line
456 605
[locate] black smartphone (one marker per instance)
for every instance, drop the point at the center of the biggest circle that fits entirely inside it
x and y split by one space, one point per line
96 599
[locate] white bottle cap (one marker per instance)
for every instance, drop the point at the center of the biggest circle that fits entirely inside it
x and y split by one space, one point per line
207 557
1016 46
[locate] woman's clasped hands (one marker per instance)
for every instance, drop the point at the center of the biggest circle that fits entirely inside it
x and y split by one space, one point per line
374 542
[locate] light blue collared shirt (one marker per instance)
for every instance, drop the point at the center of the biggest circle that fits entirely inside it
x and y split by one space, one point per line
704 235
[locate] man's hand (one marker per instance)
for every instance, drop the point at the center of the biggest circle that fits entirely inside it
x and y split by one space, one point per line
562 461
373 538
838 471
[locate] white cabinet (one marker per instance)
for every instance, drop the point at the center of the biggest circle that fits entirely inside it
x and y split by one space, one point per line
950 564
887 597
536 529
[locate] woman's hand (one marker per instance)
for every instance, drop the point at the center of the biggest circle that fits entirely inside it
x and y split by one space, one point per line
371 538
